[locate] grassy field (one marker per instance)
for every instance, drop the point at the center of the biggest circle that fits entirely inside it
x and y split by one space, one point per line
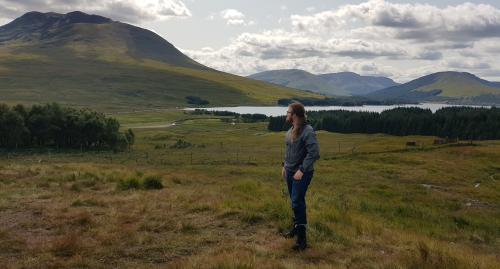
373 202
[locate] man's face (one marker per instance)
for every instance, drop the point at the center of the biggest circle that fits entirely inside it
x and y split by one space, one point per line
289 115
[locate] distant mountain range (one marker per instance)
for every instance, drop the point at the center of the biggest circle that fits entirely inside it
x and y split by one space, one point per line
88 60
449 87
334 84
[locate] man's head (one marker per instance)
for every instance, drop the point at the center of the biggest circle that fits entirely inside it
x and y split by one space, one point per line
296 113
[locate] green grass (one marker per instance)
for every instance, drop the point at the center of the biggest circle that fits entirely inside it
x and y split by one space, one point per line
459 87
373 203
79 77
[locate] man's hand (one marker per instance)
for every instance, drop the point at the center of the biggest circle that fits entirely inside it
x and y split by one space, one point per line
298 175
283 172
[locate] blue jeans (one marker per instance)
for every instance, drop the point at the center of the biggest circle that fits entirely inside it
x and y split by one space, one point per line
297 190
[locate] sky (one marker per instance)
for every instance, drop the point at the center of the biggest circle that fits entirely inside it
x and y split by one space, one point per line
399 39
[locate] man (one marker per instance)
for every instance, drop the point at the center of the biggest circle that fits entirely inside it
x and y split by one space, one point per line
302 151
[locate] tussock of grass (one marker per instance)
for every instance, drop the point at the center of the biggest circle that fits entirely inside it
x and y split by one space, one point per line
431 256
200 208
188 228
148 183
86 203
152 183
66 246
130 183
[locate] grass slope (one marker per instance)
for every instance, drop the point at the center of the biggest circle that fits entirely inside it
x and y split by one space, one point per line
116 82
460 85
440 86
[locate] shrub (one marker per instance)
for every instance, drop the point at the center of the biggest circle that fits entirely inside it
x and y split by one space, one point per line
195 100
66 246
148 183
181 144
130 183
153 183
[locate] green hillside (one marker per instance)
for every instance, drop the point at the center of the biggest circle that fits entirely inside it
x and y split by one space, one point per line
83 61
454 84
455 87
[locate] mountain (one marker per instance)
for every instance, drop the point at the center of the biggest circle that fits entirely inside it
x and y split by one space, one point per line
453 87
356 84
298 79
91 32
89 60
334 84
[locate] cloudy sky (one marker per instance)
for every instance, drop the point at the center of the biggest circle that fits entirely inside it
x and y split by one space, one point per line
399 39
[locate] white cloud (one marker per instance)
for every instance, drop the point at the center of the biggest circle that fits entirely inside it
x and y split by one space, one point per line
428 55
468 64
421 22
376 37
242 64
235 17
123 10
490 45
311 9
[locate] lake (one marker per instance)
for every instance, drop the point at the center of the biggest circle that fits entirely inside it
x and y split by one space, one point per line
281 110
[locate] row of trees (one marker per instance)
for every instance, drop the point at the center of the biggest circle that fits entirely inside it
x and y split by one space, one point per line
240 117
62 127
453 122
195 100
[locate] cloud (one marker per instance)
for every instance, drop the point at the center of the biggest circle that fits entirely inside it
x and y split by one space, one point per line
311 9
420 22
482 49
234 17
280 49
357 48
468 64
368 38
244 65
123 10
429 55
280 44
490 45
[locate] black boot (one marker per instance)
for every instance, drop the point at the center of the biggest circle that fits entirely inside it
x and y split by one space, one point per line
301 243
290 233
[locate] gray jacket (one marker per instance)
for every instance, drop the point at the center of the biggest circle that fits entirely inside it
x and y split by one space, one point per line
303 152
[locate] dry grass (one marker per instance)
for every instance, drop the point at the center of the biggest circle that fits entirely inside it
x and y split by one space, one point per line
366 210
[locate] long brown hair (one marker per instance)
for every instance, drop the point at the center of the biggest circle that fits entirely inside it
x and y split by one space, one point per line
299 110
